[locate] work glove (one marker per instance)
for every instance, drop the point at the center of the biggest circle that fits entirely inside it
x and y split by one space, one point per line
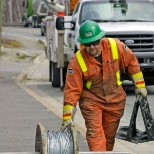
68 116
139 84
141 91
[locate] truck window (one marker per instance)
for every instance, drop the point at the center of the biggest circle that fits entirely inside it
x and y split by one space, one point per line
104 11
117 11
143 11
43 9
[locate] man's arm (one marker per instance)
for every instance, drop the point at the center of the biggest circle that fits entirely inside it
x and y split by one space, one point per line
72 92
132 67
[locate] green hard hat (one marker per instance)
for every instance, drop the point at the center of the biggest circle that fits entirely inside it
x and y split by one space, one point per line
90 32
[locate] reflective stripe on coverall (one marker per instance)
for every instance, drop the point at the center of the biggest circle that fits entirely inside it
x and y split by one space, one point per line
102 105
114 55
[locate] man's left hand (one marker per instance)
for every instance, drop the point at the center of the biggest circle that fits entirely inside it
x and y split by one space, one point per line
66 123
141 91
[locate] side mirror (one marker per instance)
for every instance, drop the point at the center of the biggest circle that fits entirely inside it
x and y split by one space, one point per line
73 25
60 23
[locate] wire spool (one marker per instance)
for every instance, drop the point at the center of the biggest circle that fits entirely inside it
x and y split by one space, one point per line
40 139
59 142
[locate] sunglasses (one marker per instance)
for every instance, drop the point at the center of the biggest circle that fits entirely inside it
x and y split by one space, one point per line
92 43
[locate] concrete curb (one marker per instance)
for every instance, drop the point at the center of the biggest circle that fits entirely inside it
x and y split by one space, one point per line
39 59
43 42
23 76
27 74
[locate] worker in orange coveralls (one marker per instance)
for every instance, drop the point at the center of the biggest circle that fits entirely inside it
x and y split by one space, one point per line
93 79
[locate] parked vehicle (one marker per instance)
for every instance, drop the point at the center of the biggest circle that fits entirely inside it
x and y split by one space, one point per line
131 21
35 11
44 21
43 28
59 9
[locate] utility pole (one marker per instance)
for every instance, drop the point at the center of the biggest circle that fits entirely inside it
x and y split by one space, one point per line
0 21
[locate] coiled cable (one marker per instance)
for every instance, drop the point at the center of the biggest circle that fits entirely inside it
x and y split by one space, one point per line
60 142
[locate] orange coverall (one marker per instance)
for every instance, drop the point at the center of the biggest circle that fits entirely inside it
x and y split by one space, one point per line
102 105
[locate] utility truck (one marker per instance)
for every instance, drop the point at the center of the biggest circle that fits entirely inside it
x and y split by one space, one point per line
131 21
35 12
57 73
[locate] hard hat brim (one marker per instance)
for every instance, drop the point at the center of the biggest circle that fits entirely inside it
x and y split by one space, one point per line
88 40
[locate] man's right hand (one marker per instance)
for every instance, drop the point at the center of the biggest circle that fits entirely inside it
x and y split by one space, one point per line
68 116
65 124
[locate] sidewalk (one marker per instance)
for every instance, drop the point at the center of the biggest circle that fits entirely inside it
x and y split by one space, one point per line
38 74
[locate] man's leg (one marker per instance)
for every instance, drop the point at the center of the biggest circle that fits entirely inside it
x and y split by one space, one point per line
111 119
93 120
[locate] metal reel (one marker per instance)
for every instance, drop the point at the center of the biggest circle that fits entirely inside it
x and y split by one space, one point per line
40 139
75 140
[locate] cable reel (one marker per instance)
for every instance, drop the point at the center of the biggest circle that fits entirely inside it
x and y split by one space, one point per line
61 142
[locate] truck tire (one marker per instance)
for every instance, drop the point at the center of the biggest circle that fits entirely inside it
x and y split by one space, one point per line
42 32
36 23
50 71
149 80
33 22
25 24
64 75
54 75
33 25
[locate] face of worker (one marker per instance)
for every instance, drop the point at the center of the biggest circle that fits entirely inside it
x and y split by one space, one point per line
93 48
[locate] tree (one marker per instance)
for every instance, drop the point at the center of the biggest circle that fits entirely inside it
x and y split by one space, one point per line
0 21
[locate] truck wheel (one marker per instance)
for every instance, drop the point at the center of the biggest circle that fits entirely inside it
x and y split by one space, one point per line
25 24
36 23
50 71
42 33
33 22
148 78
55 72
64 75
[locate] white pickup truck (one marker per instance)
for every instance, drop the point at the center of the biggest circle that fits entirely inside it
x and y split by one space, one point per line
132 21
